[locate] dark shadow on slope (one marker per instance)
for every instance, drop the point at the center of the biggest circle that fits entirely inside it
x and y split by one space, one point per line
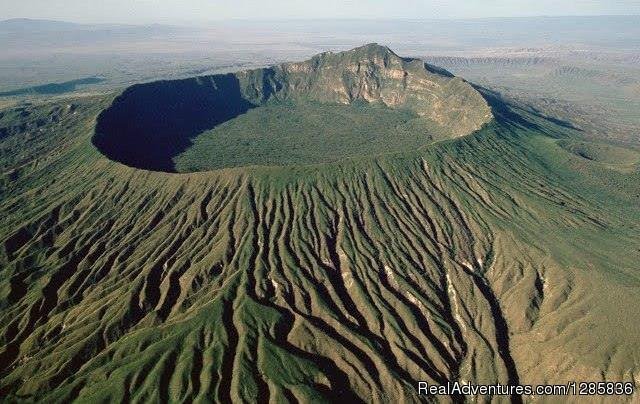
507 112
438 70
559 122
149 124
503 111
501 332
53 88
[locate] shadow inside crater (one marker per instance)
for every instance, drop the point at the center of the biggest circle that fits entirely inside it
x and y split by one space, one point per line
149 124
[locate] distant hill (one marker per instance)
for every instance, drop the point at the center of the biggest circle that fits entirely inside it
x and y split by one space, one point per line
53 88
27 24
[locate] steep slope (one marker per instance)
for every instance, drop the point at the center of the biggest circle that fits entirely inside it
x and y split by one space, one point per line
149 125
498 257
374 73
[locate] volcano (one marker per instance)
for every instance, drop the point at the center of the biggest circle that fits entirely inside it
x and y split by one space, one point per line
338 229
365 101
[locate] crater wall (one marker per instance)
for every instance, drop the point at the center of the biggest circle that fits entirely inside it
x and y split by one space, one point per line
148 125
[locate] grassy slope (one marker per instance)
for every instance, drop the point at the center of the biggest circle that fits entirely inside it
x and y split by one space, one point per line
597 91
495 257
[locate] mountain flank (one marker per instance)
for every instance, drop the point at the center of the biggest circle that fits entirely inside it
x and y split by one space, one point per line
336 271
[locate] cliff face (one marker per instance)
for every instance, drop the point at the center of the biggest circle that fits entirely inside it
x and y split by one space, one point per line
148 125
374 73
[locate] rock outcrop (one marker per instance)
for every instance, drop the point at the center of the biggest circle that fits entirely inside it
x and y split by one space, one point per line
374 73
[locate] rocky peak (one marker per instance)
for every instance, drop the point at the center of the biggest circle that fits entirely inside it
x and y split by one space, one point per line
375 74
367 58
371 52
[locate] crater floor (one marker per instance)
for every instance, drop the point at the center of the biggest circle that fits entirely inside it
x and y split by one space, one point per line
284 134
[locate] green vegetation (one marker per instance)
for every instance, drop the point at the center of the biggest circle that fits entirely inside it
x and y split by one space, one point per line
497 257
609 156
304 133
149 125
595 91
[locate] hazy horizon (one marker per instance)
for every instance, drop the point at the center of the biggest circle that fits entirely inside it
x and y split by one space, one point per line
175 12
318 19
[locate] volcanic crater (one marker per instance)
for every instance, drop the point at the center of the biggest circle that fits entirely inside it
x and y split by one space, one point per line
363 102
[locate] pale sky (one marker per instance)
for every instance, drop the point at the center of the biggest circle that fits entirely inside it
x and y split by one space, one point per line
166 11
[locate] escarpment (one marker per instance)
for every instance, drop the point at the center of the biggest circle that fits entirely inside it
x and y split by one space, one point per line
150 125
